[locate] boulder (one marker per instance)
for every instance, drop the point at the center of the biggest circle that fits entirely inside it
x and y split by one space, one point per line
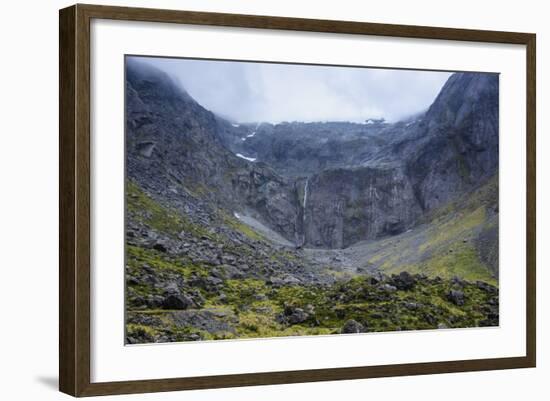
404 281
210 320
485 287
297 316
456 297
388 288
174 301
160 246
352 326
430 319
293 315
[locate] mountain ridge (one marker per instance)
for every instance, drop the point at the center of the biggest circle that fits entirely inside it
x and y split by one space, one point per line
407 168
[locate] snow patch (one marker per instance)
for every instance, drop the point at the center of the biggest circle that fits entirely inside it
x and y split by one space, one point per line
236 125
370 121
237 215
250 159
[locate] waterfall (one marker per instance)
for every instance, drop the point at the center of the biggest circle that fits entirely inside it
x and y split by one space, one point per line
305 195
304 205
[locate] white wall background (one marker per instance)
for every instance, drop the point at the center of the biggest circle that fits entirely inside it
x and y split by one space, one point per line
28 201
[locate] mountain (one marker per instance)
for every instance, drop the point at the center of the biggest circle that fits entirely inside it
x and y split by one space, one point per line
174 145
260 215
459 145
325 185
370 180
451 150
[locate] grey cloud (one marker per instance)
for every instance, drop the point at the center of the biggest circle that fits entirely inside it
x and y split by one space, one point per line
249 92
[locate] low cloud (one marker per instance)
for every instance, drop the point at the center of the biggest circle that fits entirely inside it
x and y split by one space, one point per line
249 92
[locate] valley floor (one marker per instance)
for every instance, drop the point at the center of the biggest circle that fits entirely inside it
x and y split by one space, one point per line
238 279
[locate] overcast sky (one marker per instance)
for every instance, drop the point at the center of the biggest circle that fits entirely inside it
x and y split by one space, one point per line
253 92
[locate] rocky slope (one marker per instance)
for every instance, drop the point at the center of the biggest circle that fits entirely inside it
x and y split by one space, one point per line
173 147
257 229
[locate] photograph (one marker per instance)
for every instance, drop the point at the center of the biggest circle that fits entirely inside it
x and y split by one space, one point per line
267 199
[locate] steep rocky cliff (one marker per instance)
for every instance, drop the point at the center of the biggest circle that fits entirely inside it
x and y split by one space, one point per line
347 205
325 185
458 140
174 147
375 179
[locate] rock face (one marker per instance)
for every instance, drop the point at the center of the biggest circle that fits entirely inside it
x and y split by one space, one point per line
297 149
347 205
273 198
326 185
372 180
459 140
175 144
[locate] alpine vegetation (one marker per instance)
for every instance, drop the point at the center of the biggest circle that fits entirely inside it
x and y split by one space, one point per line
245 227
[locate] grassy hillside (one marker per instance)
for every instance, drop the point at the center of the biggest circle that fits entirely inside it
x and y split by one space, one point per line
450 242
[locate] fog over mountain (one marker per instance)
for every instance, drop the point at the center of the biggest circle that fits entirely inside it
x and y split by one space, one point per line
253 92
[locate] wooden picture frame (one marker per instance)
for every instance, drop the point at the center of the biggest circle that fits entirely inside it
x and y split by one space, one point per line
74 203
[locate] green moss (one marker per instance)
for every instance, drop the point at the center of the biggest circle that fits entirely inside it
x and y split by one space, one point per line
457 227
463 262
196 190
136 257
141 290
448 251
339 275
145 209
253 324
139 330
425 306
244 293
444 247
165 267
282 256
486 195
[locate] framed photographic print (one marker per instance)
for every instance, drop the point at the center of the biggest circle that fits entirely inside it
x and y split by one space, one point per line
250 200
